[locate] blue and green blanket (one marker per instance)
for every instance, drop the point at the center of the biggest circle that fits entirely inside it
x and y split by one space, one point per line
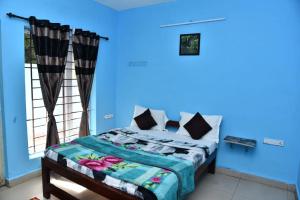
130 165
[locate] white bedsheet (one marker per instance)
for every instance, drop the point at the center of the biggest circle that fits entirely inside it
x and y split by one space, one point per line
170 135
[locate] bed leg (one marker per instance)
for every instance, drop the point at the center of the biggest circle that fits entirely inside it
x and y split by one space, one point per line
45 180
212 167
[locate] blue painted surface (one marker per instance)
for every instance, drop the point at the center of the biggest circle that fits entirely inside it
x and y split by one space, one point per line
1 118
84 14
298 182
248 71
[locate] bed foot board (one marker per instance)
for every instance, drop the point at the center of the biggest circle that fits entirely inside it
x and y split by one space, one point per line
212 167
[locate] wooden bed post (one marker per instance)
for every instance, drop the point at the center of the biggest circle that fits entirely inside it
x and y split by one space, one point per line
45 180
212 167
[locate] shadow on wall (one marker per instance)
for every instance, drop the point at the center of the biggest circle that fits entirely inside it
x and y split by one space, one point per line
1 127
1 161
298 182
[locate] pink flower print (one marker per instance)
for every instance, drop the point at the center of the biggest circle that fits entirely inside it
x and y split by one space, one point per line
73 142
55 146
132 147
166 171
112 159
117 144
97 165
155 180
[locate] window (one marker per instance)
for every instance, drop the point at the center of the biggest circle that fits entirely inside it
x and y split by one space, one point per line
68 107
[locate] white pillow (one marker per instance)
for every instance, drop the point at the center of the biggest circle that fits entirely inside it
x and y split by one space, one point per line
213 120
158 115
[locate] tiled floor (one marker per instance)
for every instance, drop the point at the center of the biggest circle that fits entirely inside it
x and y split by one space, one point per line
211 187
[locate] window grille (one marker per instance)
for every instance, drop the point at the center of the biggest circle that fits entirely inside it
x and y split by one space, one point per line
68 107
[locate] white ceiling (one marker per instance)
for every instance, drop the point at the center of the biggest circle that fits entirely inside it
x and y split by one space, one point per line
127 4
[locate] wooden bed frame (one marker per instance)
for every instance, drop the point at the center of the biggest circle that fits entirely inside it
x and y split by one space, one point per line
100 188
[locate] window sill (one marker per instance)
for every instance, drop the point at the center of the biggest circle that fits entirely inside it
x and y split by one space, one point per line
36 155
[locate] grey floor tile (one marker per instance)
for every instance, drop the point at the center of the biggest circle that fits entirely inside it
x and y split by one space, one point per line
23 191
256 191
202 193
33 188
239 197
210 187
221 182
2 188
214 187
291 196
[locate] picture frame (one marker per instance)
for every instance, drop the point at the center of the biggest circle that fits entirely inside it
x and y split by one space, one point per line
190 44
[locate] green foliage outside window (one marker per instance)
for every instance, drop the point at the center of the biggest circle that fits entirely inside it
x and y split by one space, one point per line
29 49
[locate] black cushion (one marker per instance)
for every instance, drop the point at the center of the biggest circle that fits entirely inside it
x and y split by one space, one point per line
197 127
145 121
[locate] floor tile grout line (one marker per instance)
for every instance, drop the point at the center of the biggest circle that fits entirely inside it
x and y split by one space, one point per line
235 189
289 193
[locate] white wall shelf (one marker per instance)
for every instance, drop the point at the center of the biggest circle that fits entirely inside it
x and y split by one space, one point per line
194 22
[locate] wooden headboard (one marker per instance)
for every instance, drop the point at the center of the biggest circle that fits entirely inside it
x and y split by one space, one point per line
172 124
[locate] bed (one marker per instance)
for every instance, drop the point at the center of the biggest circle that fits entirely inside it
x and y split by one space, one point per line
130 164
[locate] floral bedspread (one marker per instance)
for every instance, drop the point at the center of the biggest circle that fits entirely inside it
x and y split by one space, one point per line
144 167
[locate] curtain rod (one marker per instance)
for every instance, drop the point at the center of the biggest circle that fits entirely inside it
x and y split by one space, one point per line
11 15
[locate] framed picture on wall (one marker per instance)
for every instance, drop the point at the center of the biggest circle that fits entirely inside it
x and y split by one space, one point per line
190 44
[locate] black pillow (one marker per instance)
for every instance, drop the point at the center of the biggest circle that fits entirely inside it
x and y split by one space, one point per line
145 121
197 127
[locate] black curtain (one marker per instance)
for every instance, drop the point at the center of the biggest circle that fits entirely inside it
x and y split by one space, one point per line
85 49
51 42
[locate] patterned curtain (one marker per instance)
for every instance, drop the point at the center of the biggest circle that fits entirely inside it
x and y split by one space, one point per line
51 42
85 48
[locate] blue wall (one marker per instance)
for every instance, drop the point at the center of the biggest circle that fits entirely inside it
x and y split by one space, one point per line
248 71
298 182
86 14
